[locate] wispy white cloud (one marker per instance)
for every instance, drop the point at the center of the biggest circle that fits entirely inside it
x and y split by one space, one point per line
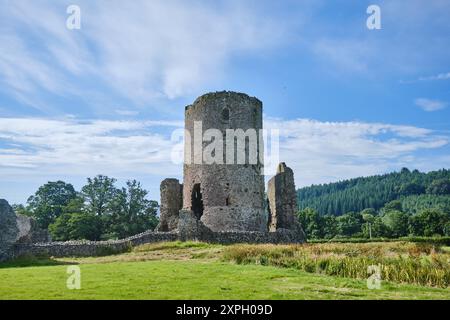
148 51
349 55
128 113
347 47
48 147
440 76
430 105
23 75
318 151
143 50
436 77
321 152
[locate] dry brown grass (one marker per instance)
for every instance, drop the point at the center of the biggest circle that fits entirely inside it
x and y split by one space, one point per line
158 251
401 262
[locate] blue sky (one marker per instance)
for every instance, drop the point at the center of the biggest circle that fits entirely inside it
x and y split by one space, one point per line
349 101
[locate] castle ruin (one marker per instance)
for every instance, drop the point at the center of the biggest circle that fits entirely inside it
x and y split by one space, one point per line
228 196
220 202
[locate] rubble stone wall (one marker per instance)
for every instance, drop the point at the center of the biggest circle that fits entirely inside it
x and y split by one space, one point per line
101 248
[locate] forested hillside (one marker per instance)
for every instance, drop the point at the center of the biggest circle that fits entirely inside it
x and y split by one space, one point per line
415 189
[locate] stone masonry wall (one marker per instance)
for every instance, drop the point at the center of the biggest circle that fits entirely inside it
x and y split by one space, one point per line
8 229
91 248
171 203
17 229
282 199
232 194
101 248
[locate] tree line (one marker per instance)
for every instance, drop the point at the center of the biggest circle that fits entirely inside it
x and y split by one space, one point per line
393 205
100 211
390 222
355 195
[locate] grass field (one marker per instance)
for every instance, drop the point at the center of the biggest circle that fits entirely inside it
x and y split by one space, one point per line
400 262
190 271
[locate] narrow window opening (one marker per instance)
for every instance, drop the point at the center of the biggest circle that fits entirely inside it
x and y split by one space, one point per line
226 114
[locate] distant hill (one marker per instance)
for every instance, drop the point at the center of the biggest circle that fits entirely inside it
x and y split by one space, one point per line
416 190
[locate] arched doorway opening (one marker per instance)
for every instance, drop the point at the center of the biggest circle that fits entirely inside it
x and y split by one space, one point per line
197 201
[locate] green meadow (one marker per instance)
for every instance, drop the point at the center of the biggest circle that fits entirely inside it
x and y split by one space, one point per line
202 271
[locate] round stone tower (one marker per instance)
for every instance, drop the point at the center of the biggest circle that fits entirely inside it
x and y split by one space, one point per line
227 194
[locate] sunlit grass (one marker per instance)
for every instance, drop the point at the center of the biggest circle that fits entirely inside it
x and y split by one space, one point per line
195 279
195 270
400 262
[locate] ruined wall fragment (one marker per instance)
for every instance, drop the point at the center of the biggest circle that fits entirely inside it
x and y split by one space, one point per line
171 203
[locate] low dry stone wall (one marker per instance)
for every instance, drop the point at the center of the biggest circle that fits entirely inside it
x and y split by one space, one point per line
101 248
90 248
281 236
189 228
